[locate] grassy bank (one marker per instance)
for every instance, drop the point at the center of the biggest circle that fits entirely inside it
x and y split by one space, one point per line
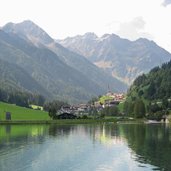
21 113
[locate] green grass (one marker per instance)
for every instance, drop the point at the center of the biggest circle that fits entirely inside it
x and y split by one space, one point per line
103 98
36 107
22 113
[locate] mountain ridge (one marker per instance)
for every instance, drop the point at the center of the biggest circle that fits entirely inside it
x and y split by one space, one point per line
72 59
36 65
64 74
121 58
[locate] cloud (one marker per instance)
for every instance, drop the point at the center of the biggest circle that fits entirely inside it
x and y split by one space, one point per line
133 29
166 2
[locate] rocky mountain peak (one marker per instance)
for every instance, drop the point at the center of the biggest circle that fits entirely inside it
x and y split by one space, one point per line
122 58
29 30
113 36
89 35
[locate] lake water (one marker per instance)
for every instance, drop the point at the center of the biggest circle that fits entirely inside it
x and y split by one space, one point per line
107 147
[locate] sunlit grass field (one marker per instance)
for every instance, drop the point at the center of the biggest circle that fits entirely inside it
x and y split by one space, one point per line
22 113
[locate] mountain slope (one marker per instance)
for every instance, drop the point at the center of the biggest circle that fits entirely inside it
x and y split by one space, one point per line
119 57
31 32
156 85
15 78
60 80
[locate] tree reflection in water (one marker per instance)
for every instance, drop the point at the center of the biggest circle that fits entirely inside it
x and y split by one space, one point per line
151 143
148 144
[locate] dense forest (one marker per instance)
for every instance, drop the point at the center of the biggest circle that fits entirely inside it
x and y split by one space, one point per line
150 94
21 98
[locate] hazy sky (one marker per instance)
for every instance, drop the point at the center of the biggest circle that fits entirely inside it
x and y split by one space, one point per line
62 18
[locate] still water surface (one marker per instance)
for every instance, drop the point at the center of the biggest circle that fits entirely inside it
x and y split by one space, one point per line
107 147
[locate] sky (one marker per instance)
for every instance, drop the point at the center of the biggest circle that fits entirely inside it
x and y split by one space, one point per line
129 19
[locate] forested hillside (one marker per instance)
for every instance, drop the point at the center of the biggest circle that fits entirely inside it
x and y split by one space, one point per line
16 86
151 93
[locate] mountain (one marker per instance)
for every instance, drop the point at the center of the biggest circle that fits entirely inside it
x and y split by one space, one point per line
12 77
60 80
29 31
121 58
62 73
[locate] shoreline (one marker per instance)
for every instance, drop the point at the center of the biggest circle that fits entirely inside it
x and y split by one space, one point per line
59 121
74 121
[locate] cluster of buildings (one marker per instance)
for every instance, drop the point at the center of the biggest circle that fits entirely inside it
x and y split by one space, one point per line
119 97
112 99
85 109
79 109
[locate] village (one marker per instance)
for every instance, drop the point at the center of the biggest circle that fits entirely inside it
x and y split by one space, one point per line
72 111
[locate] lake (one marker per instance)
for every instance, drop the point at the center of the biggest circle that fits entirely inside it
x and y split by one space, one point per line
105 147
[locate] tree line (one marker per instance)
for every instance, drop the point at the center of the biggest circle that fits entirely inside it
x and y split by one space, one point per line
20 98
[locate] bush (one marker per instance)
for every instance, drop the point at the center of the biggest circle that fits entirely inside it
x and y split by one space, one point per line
155 116
84 117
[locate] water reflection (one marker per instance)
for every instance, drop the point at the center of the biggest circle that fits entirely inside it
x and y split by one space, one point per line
8 129
61 130
151 144
109 135
85 147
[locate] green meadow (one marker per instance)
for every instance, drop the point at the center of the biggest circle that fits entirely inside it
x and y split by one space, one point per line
22 113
